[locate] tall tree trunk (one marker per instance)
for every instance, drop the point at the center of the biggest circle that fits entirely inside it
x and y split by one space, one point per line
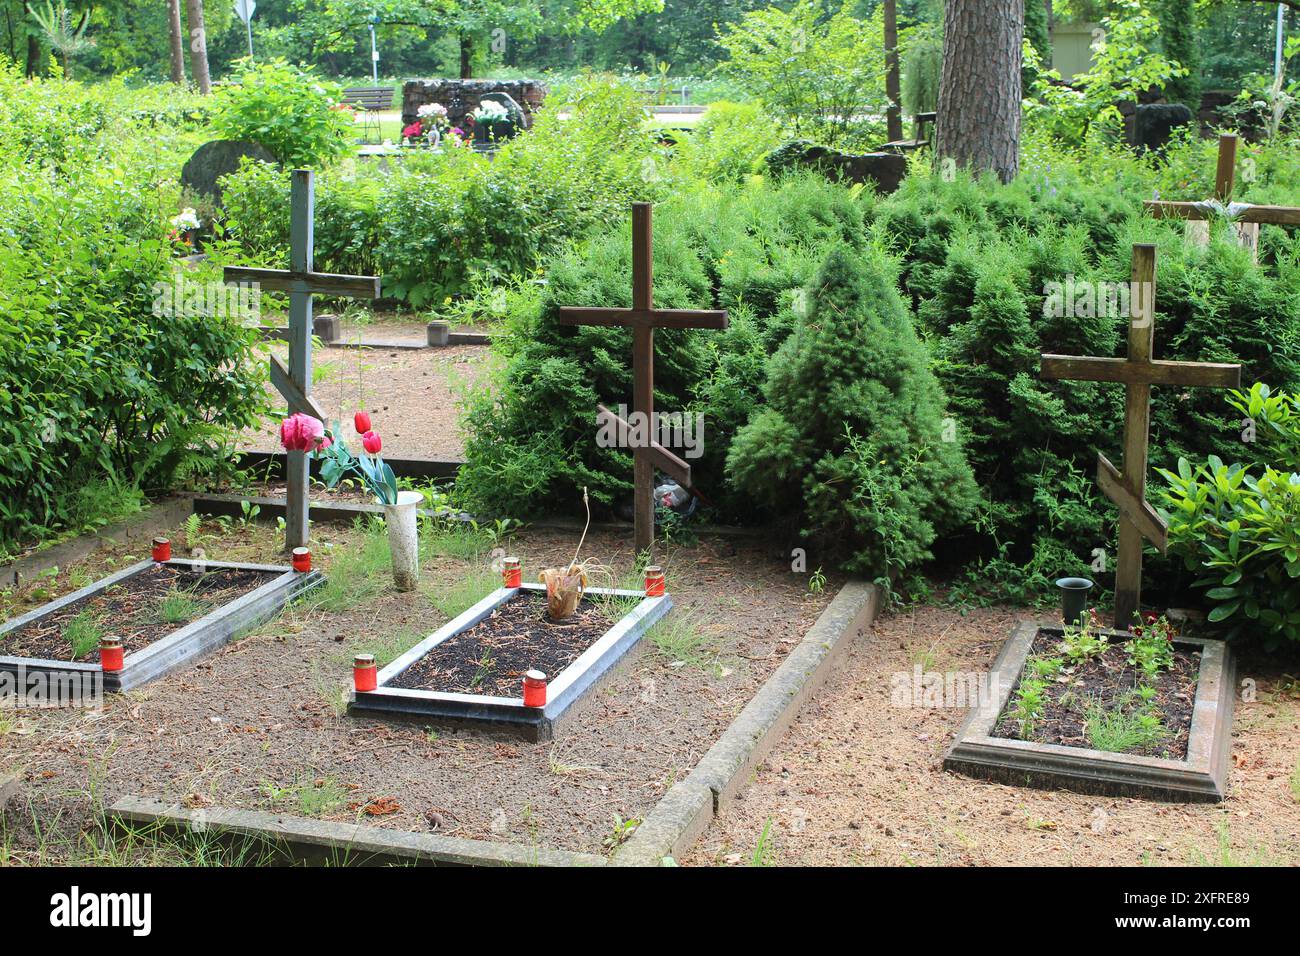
894 112
33 54
177 41
198 45
466 56
979 95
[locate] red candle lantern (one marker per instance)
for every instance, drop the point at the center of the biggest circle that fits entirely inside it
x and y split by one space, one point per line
534 689
162 549
110 654
365 675
654 581
301 559
512 573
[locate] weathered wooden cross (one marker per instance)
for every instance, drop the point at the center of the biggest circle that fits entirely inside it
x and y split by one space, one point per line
1246 218
1138 520
643 318
301 281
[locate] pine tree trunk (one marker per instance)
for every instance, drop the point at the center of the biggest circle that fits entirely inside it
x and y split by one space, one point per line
894 112
198 45
978 127
177 41
466 56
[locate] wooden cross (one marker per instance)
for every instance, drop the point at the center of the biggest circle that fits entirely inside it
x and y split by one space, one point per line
1246 218
1138 520
301 281
643 318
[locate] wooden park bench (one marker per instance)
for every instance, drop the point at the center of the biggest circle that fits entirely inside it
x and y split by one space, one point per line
369 101
919 135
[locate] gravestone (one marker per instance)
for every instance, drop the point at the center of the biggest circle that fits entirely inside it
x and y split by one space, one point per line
1154 123
461 97
885 171
510 126
215 159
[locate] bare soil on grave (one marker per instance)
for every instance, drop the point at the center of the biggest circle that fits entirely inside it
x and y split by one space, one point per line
858 781
1108 682
259 724
132 610
411 397
491 657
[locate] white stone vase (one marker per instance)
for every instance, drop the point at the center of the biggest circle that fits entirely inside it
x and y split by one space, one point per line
404 538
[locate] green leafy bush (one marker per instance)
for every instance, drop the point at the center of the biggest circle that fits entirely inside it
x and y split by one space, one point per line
728 143
102 395
1239 524
288 110
819 74
852 437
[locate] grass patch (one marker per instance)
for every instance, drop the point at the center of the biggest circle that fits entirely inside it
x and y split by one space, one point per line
314 798
1120 730
765 849
464 593
357 574
386 647
83 633
177 607
1295 782
679 639
444 539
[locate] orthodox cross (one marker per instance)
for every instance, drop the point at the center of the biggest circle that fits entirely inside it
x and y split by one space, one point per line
643 318
301 281
1127 489
1246 218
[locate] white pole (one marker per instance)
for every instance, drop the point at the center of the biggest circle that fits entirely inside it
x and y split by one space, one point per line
374 55
249 25
1277 53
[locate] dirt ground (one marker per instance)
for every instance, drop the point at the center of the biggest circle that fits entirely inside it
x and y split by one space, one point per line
411 396
259 724
858 781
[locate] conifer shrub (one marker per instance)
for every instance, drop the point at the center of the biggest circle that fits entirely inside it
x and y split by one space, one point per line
853 439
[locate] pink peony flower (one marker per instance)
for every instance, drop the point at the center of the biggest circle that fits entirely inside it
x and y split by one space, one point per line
301 432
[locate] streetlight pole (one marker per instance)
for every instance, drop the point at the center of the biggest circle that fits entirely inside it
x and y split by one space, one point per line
374 50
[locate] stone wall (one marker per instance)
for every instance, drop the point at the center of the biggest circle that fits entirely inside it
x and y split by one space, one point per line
462 96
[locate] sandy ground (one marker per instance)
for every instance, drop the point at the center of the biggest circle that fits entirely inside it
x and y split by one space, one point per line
857 781
259 724
411 396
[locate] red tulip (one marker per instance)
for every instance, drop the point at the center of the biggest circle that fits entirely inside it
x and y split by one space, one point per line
362 422
371 442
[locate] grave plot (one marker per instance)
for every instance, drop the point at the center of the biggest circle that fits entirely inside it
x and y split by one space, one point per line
165 614
471 672
1077 709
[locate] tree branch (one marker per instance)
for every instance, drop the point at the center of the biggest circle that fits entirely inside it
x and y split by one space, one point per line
1290 4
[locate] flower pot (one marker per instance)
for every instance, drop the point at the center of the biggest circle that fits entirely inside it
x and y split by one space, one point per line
1074 598
404 538
563 591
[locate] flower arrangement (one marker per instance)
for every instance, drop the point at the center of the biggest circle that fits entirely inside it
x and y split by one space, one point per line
490 112
565 586
432 116
186 220
304 433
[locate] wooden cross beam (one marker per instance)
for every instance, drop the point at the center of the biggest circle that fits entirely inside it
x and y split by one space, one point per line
301 281
1246 217
1127 488
643 318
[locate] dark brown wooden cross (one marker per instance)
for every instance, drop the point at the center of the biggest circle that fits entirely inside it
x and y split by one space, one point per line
1246 218
301 281
1127 489
643 318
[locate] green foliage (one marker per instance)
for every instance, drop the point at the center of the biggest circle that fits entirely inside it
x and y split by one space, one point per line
288 110
748 248
83 633
434 225
103 393
921 63
817 73
728 143
853 427
1178 36
1123 66
1240 523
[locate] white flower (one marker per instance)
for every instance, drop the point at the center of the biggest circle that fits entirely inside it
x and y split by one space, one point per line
489 111
188 219
436 110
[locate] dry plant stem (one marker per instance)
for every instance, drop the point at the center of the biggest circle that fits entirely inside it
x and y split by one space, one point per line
579 549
